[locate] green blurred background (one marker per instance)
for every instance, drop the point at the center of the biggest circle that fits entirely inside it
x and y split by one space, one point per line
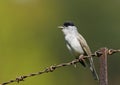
30 40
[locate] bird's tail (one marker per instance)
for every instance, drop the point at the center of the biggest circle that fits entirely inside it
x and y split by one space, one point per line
90 63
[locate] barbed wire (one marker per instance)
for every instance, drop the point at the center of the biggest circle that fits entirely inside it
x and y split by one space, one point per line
54 67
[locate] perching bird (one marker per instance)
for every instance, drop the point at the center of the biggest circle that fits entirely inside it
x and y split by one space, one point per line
77 45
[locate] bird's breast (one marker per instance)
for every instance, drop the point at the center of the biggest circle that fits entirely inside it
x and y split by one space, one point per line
74 44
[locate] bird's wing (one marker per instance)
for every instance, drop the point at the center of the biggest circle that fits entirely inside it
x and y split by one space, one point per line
87 51
84 45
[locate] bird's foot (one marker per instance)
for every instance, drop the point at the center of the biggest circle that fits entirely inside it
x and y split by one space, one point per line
82 60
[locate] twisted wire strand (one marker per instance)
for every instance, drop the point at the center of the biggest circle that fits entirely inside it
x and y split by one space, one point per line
54 67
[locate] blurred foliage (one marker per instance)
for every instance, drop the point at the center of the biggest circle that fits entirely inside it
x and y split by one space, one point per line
31 41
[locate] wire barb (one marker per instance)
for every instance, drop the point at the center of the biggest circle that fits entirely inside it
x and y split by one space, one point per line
54 67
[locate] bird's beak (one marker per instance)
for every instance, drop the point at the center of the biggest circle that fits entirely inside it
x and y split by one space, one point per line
61 27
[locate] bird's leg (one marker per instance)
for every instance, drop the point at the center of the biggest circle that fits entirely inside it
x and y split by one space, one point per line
82 60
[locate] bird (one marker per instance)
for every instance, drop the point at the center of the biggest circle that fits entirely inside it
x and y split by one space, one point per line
77 45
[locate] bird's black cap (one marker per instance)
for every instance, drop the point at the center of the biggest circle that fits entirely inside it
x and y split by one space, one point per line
68 23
